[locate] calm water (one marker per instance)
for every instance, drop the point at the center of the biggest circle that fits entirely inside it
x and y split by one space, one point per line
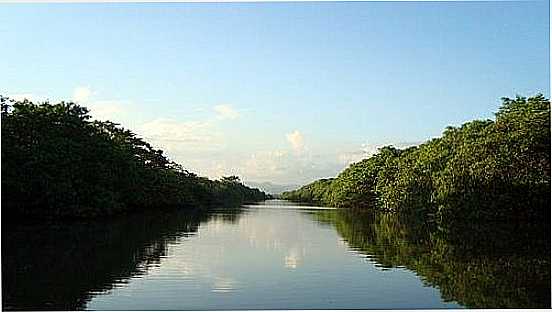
274 255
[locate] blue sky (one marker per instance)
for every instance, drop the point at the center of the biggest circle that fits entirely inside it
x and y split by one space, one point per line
281 92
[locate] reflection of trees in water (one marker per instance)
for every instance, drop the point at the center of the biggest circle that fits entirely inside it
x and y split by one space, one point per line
479 266
59 266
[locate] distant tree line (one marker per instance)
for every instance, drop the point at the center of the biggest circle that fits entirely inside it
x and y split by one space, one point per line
58 162
484 169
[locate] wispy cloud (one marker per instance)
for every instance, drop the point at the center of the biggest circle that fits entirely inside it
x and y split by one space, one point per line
368 149
106 109
113 110
225 111
265 164
180 138
284 167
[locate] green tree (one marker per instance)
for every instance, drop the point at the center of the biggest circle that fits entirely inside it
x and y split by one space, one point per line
57 162
484 169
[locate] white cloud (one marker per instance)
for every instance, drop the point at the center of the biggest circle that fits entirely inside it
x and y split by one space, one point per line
266 165
371 149
284 167
81 94
226 112
348 158
103 110
296 140
106 110
215 165
181 138
367 150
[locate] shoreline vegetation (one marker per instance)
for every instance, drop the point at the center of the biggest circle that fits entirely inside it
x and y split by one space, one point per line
59 163
484 170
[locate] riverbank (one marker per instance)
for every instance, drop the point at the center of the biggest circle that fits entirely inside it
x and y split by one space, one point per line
483 170
59 163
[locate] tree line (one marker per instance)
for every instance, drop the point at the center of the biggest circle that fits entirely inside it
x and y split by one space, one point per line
485 169
58 162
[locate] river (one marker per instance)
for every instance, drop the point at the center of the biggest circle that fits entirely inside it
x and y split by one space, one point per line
270 255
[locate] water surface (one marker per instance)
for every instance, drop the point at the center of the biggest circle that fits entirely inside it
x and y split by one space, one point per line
272 255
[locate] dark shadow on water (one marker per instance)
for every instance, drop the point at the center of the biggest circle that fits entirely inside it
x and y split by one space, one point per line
492 265
60 266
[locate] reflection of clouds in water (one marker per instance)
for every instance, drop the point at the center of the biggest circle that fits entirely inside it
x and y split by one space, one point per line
186 269
183 266
215 226
260 235
218 243
294 257
224 285
278 233
291 262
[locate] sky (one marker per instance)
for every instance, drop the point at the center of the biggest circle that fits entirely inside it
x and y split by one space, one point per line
277 92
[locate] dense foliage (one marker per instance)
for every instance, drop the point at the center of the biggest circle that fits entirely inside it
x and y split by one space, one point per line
484 169
56 161
500 271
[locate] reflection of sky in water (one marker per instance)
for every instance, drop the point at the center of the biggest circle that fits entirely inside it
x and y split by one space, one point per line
293 259
267 258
